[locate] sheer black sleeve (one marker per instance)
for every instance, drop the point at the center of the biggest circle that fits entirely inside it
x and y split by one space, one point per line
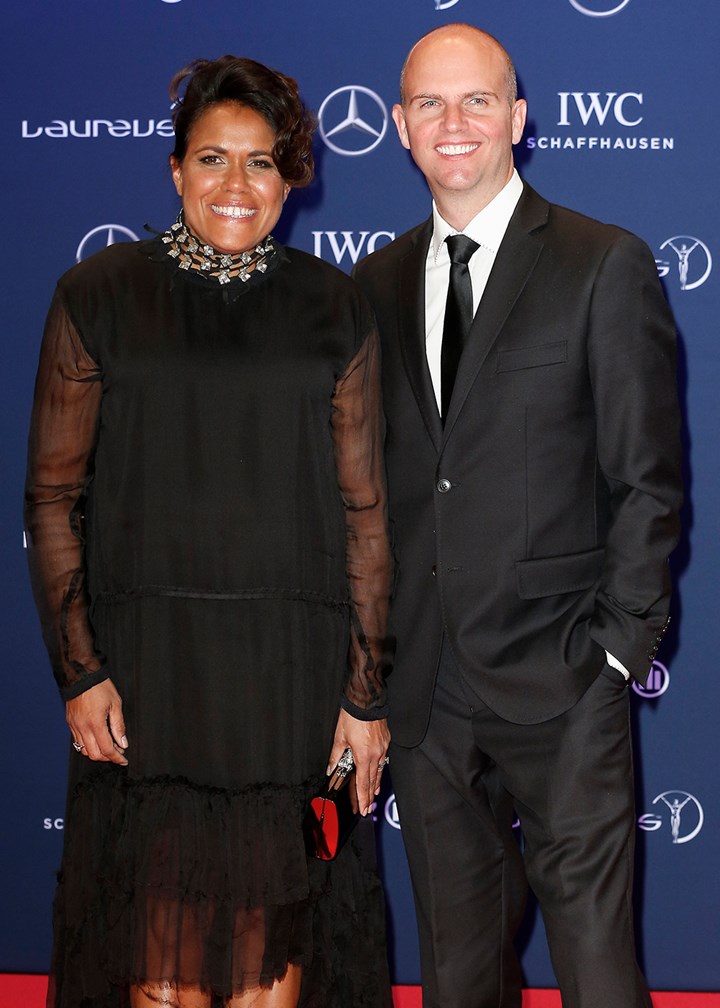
63 430
357 428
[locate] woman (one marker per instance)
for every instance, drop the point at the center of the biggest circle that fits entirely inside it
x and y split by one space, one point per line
206 523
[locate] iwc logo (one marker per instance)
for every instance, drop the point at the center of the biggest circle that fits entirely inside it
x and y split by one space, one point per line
599 8
657 683
101 237
683 813
350 245
623 108
352 120
598 121
692 262
444 4
391 812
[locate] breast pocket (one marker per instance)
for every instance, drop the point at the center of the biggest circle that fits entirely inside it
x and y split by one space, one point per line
532 357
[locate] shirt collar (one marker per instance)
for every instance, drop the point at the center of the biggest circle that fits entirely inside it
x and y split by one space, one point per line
488 227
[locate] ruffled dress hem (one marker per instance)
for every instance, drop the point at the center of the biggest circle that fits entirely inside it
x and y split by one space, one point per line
211 888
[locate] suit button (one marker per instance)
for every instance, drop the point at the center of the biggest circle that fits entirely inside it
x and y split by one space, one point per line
444 485
434 570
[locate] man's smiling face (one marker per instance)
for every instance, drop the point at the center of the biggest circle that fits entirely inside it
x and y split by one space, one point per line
457 119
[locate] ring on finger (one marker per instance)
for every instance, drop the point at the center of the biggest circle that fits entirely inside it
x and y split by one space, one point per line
77 746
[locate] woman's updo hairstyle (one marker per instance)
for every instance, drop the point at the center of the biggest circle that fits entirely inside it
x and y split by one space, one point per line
204 83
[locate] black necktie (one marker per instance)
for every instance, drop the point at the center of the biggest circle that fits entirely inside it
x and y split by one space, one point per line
458 313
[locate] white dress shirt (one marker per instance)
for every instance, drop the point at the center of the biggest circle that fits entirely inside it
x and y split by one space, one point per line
488 229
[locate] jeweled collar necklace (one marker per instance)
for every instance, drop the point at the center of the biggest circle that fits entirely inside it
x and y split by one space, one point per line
218 267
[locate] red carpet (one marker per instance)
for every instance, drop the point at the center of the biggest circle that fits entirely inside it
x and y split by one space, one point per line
29 992
409 997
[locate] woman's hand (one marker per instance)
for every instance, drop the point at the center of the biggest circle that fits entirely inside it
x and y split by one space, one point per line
369 741
96 722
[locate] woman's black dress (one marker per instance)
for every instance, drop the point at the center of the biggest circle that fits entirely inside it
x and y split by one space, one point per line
206 528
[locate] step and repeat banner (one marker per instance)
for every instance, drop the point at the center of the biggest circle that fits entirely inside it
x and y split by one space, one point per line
620 94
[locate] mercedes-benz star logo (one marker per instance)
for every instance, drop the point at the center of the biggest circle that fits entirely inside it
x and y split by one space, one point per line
615 7
359 120
102 236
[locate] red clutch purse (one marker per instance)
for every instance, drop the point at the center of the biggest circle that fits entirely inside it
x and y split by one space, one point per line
333 812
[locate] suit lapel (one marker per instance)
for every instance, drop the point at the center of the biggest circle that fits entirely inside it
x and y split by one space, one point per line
514 263
411 326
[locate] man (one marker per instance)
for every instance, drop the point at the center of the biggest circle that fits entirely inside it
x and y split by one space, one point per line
534 492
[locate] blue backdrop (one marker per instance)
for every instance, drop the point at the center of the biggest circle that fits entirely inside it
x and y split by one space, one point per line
618 128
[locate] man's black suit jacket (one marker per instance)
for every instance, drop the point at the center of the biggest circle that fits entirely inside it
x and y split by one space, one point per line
534 529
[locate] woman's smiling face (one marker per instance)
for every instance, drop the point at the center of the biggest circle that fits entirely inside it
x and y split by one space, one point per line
231 190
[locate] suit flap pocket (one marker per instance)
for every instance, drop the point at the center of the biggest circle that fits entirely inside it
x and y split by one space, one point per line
533 356
558 575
